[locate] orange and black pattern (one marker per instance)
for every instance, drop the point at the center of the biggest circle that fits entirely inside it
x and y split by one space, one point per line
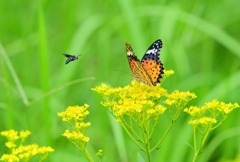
150 70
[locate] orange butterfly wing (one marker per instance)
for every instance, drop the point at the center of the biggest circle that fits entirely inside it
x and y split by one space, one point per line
151 62
138 71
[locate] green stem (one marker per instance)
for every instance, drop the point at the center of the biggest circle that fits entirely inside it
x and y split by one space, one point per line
205 137
86 155
132 137
133 131
154 125
142 131
218 124
202 142
83 150
148 151
155 147
195 156
195 145
195 141
173 120
147 143
89 157
197 152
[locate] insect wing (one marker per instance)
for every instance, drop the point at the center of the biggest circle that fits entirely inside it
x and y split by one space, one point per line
67 55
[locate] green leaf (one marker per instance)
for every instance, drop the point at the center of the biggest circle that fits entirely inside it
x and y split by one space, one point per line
189 145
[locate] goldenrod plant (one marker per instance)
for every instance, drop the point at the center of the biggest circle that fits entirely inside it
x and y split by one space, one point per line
142 105
204 120
138 107
74 116
23 152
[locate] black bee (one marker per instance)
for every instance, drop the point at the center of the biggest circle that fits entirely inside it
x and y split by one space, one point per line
70 57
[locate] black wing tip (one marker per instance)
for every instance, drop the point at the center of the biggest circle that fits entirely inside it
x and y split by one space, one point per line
158 40
160 76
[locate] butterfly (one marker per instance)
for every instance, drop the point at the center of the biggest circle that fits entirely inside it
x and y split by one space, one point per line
150 70
70 57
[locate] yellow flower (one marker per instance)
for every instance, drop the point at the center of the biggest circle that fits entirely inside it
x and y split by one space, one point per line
179 99
11 135
101 88
9 158
195 112
21 152
10 144
85 139
87 124
25 155
193 122
134 100
169 102
211 106
75 136
168 72
24 134
161 109
227 108
204 122
43 150
66 133
76 113
151 111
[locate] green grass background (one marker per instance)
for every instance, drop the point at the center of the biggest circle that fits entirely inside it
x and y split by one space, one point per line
201 43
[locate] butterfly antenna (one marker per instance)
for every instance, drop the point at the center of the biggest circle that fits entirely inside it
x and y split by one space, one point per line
122 71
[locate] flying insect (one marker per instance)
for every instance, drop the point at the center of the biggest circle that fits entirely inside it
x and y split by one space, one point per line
70 57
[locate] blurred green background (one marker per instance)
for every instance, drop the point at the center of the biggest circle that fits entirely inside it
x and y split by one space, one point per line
201 43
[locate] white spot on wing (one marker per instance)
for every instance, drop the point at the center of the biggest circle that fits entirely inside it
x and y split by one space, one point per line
151 51
130 53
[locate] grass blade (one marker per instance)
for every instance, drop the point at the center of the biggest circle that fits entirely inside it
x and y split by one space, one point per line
14 75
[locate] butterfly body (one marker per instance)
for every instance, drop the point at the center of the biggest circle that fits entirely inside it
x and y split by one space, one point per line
150 69
70 57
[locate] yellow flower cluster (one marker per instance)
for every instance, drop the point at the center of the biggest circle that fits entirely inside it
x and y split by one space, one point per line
9 157
23 152
11 135
179 99
136 100
214 108
75 115
139 100
222 107
139 103
75 136
204 121
167 73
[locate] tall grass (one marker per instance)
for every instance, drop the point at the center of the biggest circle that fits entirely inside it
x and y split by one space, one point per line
201 43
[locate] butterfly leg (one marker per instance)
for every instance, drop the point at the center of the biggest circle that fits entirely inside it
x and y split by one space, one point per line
141 85
129 83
